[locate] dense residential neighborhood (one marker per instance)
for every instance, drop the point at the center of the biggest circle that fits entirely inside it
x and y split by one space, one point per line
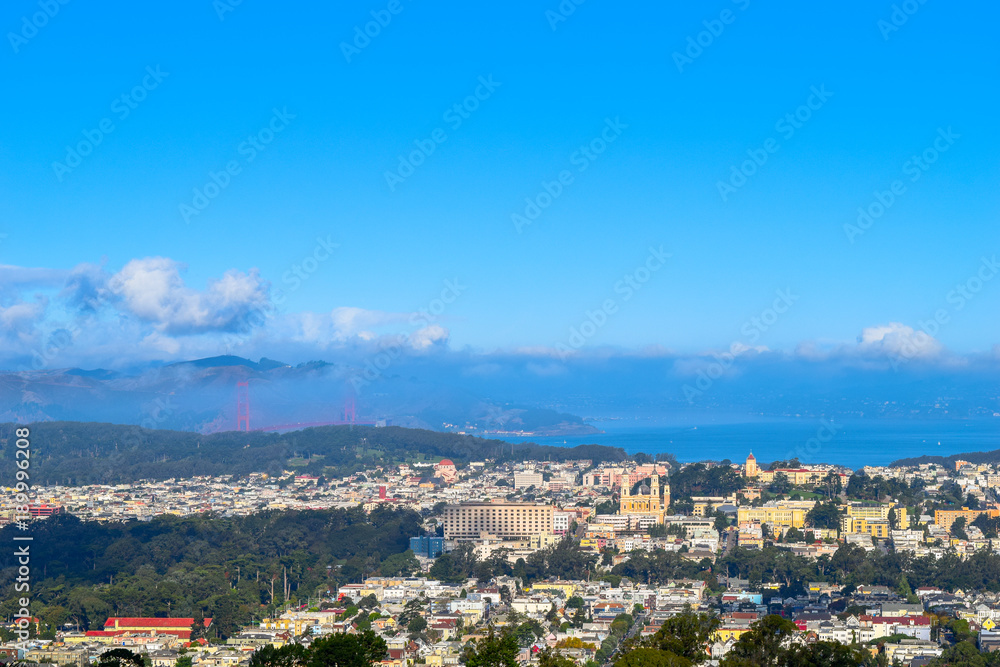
611 522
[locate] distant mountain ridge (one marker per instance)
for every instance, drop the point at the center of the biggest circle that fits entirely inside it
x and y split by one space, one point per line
200 395
949 461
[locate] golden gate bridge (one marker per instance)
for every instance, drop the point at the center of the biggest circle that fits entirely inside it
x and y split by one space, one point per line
243 414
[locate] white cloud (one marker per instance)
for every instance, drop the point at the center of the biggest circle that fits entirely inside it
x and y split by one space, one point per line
152 290
898 340
429 336
19 321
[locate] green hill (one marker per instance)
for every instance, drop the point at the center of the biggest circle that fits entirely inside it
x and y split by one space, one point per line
77 453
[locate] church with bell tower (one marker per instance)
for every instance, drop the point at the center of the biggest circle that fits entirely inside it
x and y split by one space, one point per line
647 502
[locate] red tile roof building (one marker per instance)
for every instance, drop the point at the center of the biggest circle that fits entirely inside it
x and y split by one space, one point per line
120 625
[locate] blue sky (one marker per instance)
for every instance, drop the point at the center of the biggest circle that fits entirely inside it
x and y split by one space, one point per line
168 285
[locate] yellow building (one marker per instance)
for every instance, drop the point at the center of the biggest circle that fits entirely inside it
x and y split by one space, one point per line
705 505
878 511
944 518
784 514
600 530
730 632
796 476
568 588
543 540
647 502
298 626
863 526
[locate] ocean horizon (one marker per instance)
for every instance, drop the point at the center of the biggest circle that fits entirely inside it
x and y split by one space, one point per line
853 443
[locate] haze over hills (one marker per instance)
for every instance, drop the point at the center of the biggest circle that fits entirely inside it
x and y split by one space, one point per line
496 393
200 395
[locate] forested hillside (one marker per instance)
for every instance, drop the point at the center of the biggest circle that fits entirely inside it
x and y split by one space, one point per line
233 569
76 453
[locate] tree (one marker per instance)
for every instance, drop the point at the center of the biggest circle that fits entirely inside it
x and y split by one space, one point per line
527 632
657 530
183 661
445 569
972 502
551 658
651 657
824 515
290 655
553 614
780 485
492 651
793 534
684 635
417 625
832 485
764 644
606 507
965 654
958 528
120 657
403 564
344 650
198 625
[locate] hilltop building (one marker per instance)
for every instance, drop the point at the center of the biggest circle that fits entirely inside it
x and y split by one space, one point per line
446 470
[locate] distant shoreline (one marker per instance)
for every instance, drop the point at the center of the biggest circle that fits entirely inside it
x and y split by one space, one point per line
855 443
